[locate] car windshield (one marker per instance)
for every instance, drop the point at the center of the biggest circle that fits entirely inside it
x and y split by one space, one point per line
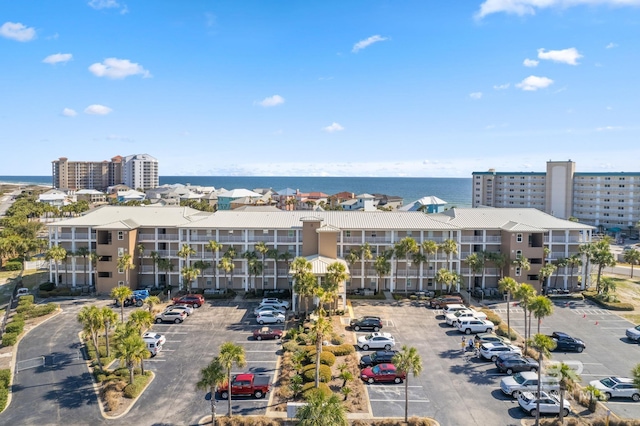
518 378
608 382
376 369
374 356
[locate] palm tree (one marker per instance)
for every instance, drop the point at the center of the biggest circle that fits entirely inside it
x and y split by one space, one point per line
227 266
125 264
560 263
273 254
202 266
285 257
230 355
66 266
475 264
540 307
185 252
499 260
365 255
152 301
319 329
109 318
231 254
382 267
255 268
587 250
510 286
545 272
525 293
336 274
305 283
140 248
155 257
429 248
251 257
322 410
91 319
121 293
130 349
602 257
188 275
214 247
572 262
443 276
262 248
211 376
522 263
57 254
407 361
450 247
141 320
84 253
166 266
418 259
632 257
543 344
352 258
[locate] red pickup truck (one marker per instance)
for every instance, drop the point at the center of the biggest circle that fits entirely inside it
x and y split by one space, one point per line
246 384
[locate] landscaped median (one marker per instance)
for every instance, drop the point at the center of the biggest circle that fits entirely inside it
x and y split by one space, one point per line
26 310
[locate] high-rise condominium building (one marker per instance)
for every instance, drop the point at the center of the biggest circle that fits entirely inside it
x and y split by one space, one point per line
135 171
606 200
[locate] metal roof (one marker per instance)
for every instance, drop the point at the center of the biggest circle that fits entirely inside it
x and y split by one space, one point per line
506 218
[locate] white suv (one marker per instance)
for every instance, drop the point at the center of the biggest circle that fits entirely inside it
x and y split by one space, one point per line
274 301
475 325
493 350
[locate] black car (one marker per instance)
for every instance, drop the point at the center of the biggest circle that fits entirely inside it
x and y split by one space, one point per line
377 357
516 364
367 322
564 342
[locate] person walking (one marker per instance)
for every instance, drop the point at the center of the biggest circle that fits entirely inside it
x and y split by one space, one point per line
470 344
463 345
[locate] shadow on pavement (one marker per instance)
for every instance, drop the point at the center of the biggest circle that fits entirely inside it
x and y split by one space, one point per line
73 392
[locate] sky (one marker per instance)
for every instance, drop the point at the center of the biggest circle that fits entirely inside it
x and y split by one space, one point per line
418 88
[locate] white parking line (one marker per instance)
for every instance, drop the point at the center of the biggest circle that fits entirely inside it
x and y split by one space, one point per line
395 386
168 350
154 360
399 400
174 341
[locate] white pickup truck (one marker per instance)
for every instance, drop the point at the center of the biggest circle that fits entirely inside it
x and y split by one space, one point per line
454 317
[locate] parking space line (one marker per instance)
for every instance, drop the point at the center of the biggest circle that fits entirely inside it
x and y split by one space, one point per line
399 400
377 385
154 360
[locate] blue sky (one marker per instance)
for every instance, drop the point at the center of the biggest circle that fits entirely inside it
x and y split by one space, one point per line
434 88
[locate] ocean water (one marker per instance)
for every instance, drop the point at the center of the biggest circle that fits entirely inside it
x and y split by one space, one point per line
455 191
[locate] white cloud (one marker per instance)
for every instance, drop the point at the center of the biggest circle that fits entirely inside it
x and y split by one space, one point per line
68 112
530 63
271 101
210 19
475 95
567 56
533 83
334 127
502 86
367 42
529 7
17 31
608 128
610 46
103 4
97 109
115 68
57 58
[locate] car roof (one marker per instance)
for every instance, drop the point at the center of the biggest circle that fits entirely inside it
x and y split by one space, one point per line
561 334
387 365
621 379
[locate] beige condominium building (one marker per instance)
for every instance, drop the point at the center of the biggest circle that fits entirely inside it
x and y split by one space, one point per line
135 171
608 201
153 236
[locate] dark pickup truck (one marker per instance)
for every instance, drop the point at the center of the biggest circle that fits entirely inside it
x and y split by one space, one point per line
246 384
565 343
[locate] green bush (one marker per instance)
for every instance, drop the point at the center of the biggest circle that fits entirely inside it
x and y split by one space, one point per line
492 316
290 346
23 309
4 397
9 339
326 358
501 330
309 373
26 300
46 286
337 339
614 306
5 378
340 350
41 310
308 388
14 327
13 266
18 318
134 389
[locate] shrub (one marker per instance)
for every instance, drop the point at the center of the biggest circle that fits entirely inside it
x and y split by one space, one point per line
5 377
309 373
302 338
47 286
308 388
326 358
290 346
501 330
23 309
13 266
134 389
340 350
14 327
18 318
614 306
492 316
4 397
41 310
9 339
26 300
337 339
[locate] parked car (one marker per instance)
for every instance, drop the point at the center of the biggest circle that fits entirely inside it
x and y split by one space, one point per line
549 404
440 302
171 316
376 340
633 333
617 387
366 322
137 298
377 357
382 373
267 333
259 309
154 337
528 381
153 347
516 363
491 338
246 385
468 326
270 318
564 342
194 300
274 301
187 309
22 291
453 318
492 350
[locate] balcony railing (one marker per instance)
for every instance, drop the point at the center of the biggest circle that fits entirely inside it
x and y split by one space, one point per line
146 237
261 238
230 239
481 239
168 237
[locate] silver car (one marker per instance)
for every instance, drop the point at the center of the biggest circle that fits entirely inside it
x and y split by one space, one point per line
270 318
187 309
549 404
617 387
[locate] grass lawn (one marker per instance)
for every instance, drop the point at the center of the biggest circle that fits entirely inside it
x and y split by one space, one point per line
628 291
30 279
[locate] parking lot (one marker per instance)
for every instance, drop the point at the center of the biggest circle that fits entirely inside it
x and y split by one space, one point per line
456 389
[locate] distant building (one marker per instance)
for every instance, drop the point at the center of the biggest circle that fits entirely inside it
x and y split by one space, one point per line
138 171
228 198
430 204
608 201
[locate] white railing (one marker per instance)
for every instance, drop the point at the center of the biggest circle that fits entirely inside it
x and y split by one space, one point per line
146 237
230 239
287 239
168 237
261 238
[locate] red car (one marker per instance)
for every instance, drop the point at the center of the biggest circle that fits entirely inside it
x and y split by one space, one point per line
382 373
193 300
266 333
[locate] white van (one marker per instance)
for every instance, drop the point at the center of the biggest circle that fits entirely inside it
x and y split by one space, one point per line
153 347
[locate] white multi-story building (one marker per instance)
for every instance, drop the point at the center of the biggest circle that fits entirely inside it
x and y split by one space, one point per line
150 233
140 171
608 201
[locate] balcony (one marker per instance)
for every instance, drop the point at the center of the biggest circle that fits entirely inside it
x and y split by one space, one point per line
495 239
168 237
377 240
261 238
204 238
287 240
146 237
230 239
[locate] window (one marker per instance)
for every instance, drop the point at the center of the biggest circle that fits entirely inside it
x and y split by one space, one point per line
347 234
120 270
519 238
120 283
620 186
518 272
120 251
519 254
291 233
